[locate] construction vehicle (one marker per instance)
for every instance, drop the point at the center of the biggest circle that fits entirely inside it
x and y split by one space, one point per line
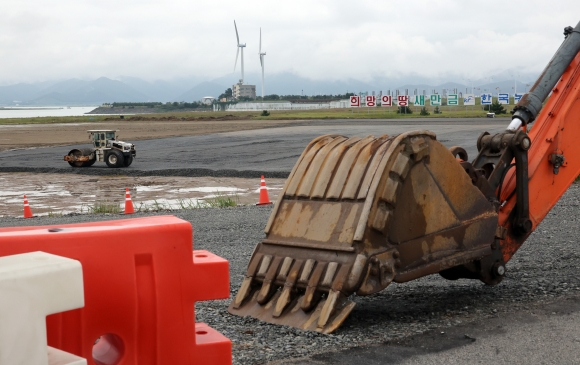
106 148
357 214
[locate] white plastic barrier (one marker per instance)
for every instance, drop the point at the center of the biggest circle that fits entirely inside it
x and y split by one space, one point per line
32 286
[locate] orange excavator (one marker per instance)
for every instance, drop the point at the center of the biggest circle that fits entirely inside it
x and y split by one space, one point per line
359 213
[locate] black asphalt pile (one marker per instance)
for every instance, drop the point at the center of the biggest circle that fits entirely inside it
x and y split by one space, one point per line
543 271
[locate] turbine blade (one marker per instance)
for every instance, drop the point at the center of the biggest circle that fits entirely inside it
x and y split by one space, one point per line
260 51
236 63
237 36
261 60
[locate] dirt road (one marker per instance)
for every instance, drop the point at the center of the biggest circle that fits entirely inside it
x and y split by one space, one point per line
42 135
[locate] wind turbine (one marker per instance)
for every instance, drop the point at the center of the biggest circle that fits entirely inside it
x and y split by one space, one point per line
240 45
262 62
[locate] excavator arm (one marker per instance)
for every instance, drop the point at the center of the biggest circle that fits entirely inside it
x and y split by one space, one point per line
554 157
357 214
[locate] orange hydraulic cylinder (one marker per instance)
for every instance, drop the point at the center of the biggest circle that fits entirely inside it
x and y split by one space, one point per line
555 131
141 282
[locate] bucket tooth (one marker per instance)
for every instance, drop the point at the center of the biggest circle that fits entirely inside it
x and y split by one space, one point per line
335 301
246 286
243 292
283 301
311 295
268 286
285 268
286 295
327 309
305 275
356 273
339 317
265 292
329 276
312 319
264 265
341 278
253 266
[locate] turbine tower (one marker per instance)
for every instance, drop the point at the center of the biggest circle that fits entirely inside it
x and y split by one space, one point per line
240 46
262 62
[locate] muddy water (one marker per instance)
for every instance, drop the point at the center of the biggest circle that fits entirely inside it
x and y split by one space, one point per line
55 194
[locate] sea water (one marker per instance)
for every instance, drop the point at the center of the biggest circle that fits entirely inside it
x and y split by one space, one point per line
47 111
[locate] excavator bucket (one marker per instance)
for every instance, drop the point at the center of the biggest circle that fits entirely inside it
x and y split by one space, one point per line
357 214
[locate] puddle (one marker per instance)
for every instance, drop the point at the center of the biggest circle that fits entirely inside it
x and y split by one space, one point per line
56 194
142 189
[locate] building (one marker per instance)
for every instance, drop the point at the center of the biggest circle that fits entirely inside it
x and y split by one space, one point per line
241 90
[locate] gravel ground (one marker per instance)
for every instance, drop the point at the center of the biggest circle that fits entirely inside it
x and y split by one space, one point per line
545 270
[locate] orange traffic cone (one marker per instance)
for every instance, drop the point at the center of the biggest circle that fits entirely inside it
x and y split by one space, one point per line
27 211
264 199
128 202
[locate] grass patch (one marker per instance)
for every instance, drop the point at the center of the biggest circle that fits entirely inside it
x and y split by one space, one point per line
102 208
54 120
222 201
191 204
377 113
218 201
154 207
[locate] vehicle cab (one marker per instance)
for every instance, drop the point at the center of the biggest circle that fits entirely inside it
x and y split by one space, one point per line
102 138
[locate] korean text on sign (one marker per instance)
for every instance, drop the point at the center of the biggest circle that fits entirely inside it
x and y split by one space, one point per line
485 99
452 99
403 100
503 98
419 100
386 100
435 100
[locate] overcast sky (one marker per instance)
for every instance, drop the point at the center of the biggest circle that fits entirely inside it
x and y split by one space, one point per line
47 40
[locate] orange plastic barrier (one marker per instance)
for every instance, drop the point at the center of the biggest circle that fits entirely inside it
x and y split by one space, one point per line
141 283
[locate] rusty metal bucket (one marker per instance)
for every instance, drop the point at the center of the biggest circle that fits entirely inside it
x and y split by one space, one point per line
355 215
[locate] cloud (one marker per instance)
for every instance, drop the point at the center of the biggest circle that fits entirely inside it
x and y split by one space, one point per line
337 40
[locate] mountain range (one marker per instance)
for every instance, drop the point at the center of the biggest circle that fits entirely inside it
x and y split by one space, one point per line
132 89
